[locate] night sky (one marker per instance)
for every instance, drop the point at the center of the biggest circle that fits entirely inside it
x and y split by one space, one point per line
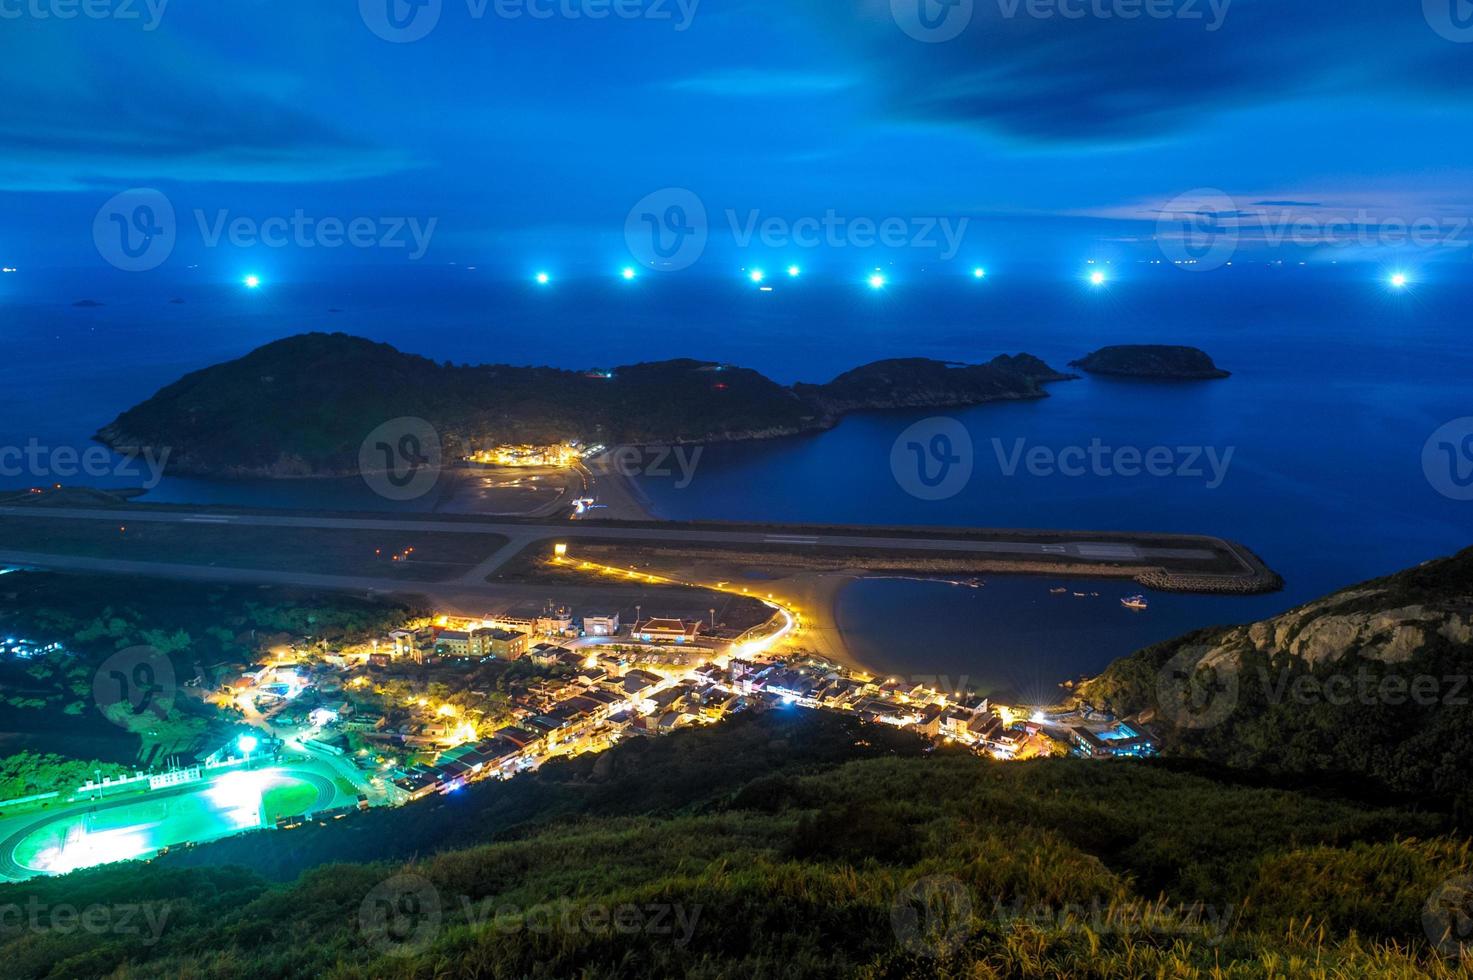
529 139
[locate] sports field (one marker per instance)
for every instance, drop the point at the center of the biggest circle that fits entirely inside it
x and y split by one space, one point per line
88 835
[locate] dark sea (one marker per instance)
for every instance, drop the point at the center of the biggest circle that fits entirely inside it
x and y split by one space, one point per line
1338 384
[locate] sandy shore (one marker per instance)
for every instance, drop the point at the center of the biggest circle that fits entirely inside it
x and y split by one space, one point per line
618 496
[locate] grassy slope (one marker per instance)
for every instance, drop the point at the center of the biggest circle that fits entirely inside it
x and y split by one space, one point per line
789 839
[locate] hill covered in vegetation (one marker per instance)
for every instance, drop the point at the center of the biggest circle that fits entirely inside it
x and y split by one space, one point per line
1159 361
784 845
302 406
1369 683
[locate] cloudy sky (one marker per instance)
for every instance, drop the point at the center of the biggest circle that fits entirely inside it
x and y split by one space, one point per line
1055 127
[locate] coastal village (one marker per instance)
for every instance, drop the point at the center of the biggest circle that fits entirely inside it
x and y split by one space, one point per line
437 704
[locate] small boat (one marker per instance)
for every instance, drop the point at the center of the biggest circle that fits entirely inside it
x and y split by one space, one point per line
1080 595
1058 591
1135 602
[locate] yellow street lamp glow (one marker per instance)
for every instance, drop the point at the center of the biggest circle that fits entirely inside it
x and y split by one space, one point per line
560 550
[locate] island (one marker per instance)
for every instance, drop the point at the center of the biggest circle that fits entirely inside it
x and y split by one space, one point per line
1163 362
301 407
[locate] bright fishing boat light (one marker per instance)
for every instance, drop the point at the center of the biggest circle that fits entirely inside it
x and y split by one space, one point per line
252 282
794 271
628 272
1399 280
756 275
876 281
979 273
543 279
1096 278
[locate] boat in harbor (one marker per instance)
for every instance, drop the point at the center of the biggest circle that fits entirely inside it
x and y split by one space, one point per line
1135 602
1059 591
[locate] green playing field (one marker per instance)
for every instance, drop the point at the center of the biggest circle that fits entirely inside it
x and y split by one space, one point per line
227 804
